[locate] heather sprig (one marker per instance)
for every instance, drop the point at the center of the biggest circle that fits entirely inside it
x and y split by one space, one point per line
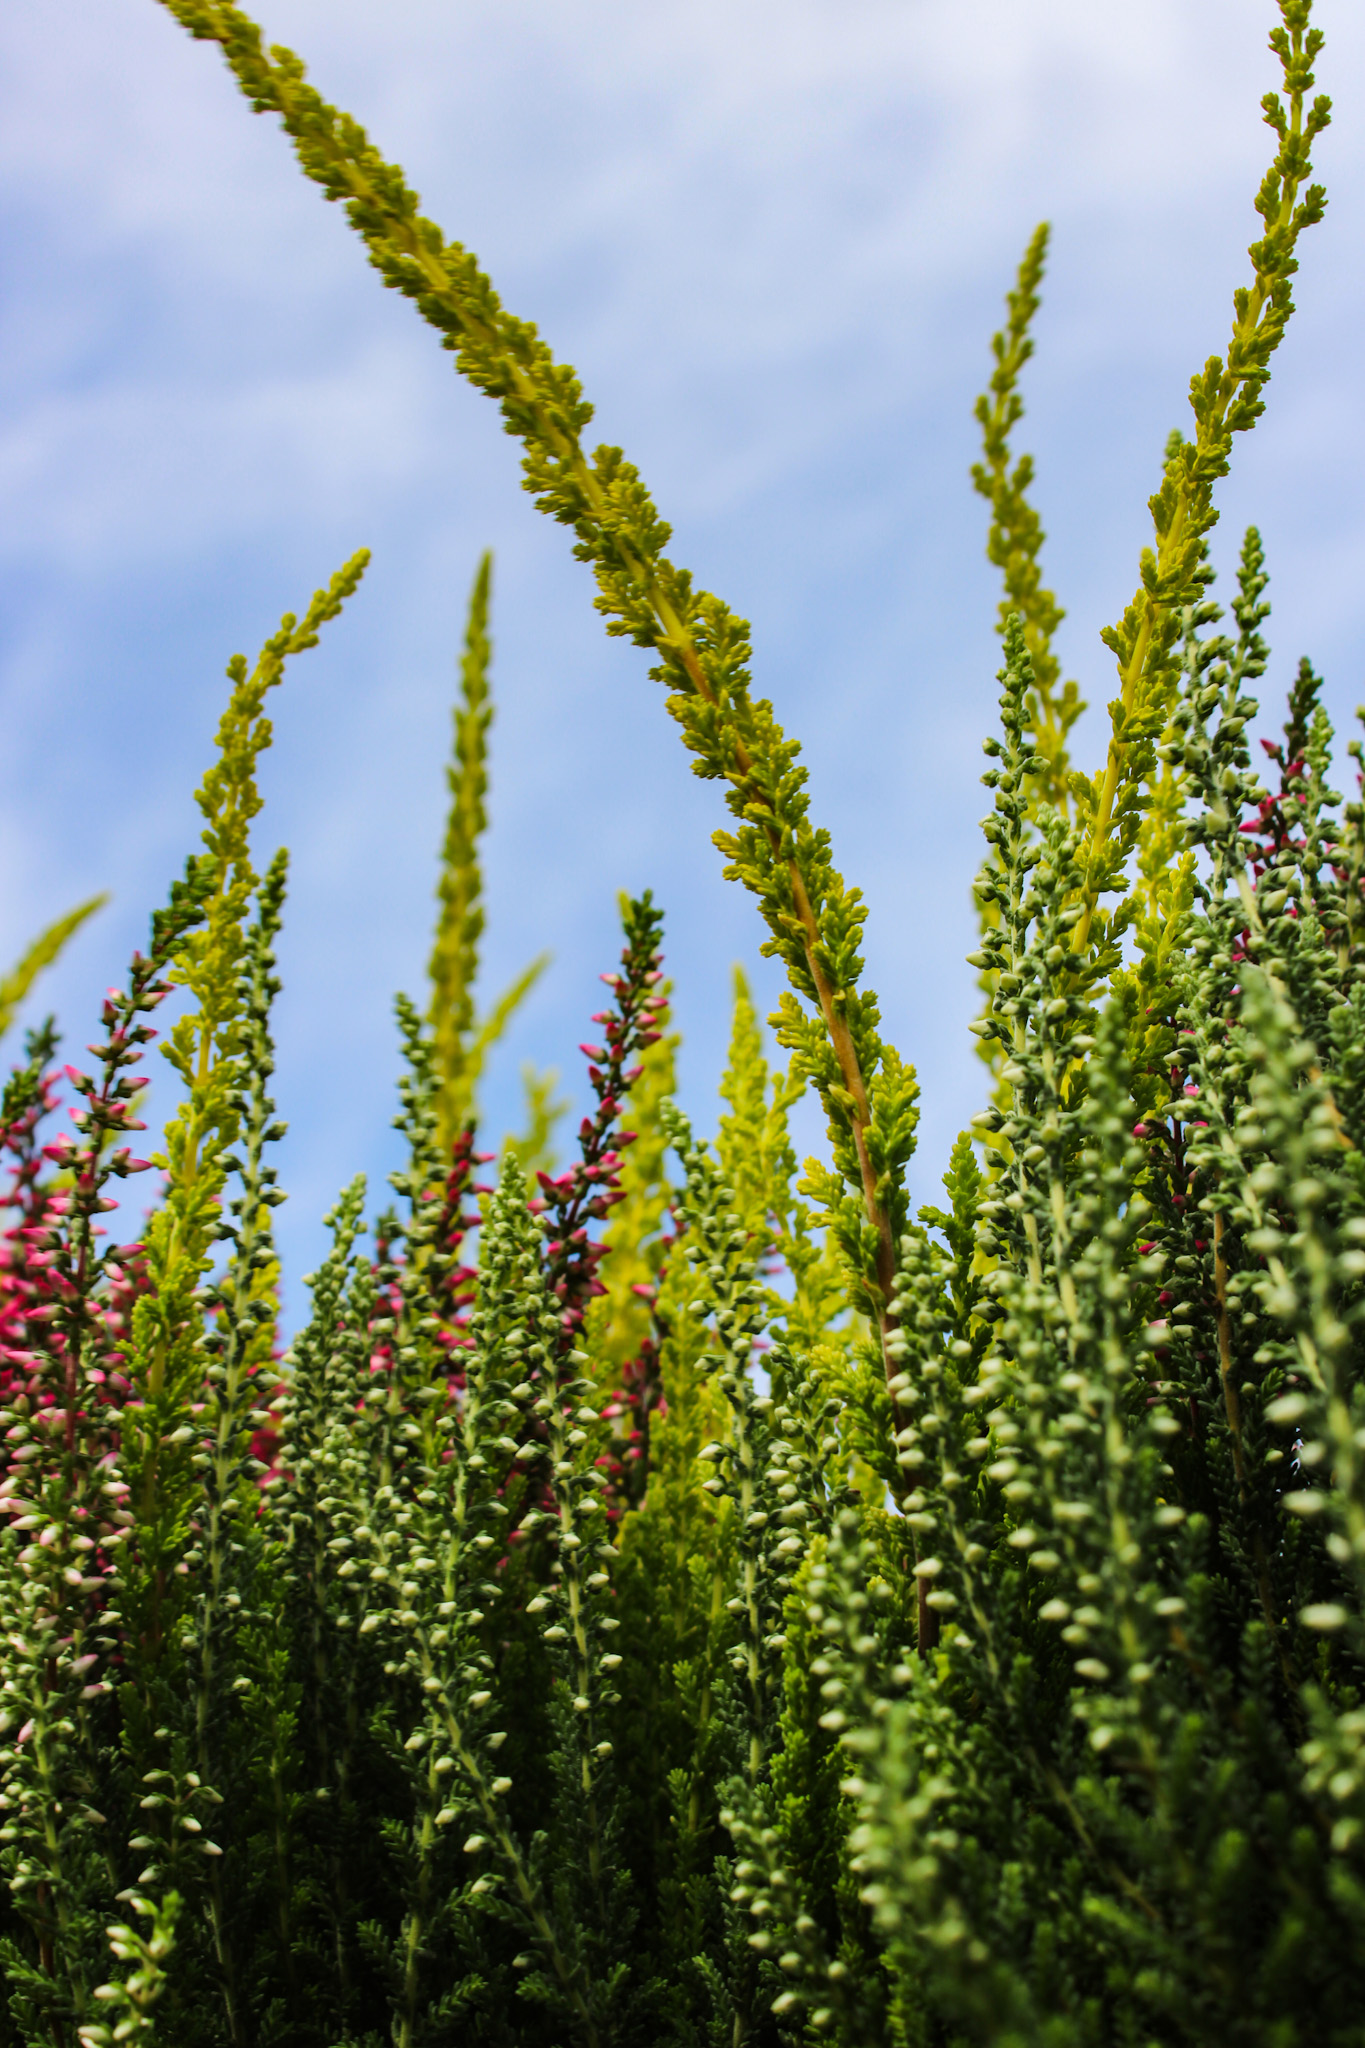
815 922
461 1041
238 1348
771 1535
33 1205
845 1626
753 1146
629 1322
204 1050
775 1471
675 1737
46 948
327 1387
789 1825
1226 399
519 1369
51 1855
1041 997
808 1303
1016 535
67 1498
240 1343
131 1999
416 1341
587 1192
434 1537
807 1287
455 954
71 1335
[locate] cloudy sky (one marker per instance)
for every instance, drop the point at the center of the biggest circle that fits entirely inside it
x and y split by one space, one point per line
773 236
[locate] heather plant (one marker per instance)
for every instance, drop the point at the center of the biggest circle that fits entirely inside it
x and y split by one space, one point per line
676 1596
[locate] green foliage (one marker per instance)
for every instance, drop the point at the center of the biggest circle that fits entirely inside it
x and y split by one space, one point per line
624 1321
204 1049
814 921
461 1041
45 949
1226 399
130 1999
1016 534
665 1601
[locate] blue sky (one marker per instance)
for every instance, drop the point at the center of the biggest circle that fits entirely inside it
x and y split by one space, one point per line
773 236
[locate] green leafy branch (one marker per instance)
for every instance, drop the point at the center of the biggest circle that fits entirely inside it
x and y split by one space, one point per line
130 2000
1016 533
45 949
1226 399
461 1040
203 1049
815 922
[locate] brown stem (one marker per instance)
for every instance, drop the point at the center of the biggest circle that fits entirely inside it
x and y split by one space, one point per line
926 1621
